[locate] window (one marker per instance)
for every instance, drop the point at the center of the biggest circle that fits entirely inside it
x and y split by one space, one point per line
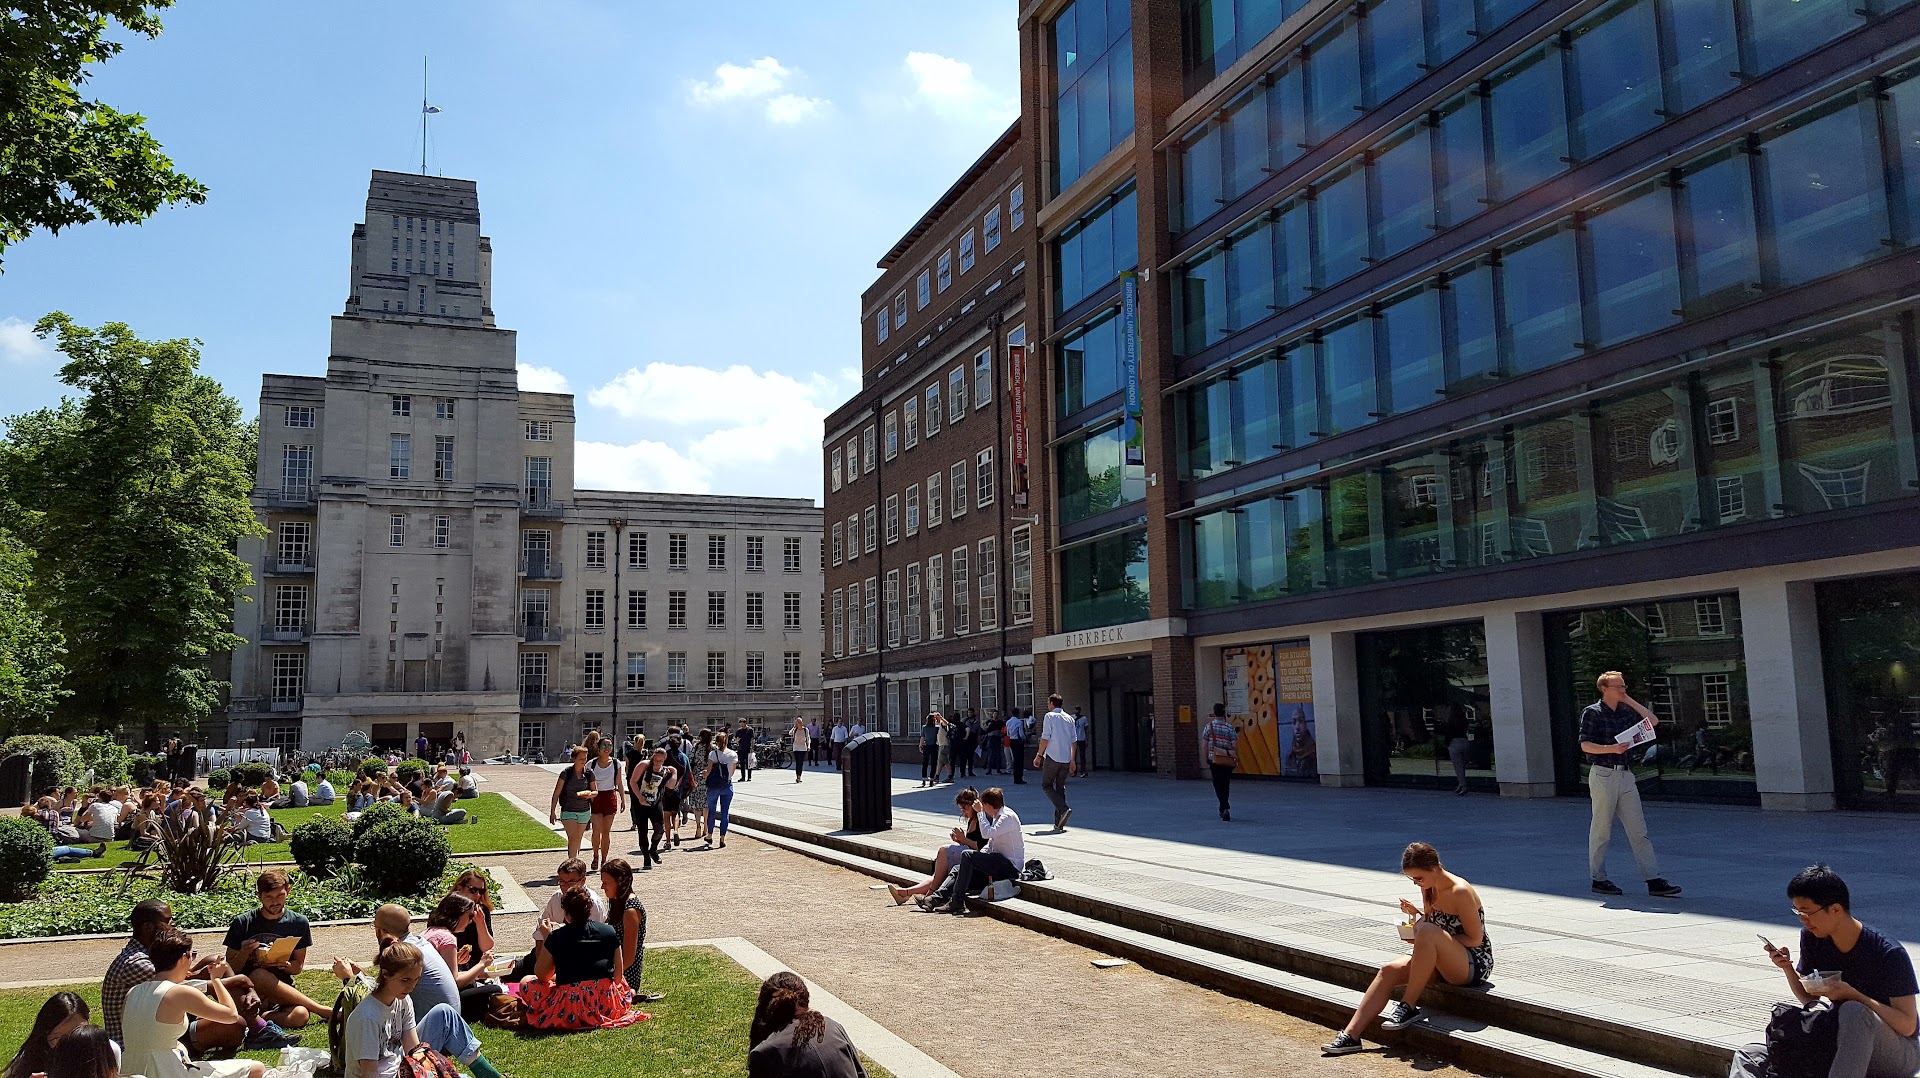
595 615
900 310
966 250
933 409
596 550
855 623
990 228
539 482
756 610
913 509
945 264
1017 207
716 552
443 458
676 671
396 530
442 526
936 598
837 623
790 670
956 395
913 603
933 500
637 550
790 554
833 466
790 611
962 599
756 671
983 473
296 542
399 456
853 459
533 734
1716 699
539 430
299 415
957 491
923 290
716 610
872 631
676 550
893 518
290 607
1824 189
1093 250
676 610
636 671
636 610
871 542
989 690
838 706
716 671
1730 491
892 426
289 676
881 325
893 608
756 553
1020 588
443 408
1023 686
866 451
401 405
1723 421
836 540
987 573
1656 622
1709 617
983 378
593 671
910 420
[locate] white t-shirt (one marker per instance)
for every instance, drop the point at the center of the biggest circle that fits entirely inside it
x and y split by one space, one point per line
856 731
1016 728
605 778
102 817
377 1030
1056 729
839 733
1003 837
556 912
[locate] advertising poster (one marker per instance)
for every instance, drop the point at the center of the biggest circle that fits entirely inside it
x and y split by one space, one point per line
1293 679
1017 447
1136 453
1269 696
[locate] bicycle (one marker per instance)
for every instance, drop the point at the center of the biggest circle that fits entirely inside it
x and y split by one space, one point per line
777 755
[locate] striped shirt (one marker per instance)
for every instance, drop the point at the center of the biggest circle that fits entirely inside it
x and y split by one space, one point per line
1220 738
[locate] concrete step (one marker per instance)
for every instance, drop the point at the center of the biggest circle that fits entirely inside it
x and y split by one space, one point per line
1479 1029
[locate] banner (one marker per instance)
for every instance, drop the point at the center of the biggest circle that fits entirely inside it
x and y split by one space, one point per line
1017 391
1130 364
1268 691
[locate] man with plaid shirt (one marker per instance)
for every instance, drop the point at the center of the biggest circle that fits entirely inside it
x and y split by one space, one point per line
133 967
1220 743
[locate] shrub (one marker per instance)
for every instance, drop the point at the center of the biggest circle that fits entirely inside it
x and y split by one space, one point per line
376 813
26 856
55 761
341 780
403 856
410 769
322 845
252 773
103 756
372 766
219 779
141 769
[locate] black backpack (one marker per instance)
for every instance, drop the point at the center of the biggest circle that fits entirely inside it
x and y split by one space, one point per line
1801 1041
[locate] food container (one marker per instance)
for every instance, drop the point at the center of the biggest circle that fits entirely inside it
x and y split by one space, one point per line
1407 930
1821 980
501 963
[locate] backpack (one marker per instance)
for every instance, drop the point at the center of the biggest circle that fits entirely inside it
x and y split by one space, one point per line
1034 872
424 1062
351 993
1801 1041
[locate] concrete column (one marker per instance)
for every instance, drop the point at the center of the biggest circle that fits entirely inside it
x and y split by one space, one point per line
1336 709
1517 687
1786 696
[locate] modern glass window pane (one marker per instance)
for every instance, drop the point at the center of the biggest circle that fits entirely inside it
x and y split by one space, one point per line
1347 352
1300 399
1287 133
1247 143
1209 429
1615 62
1644 484
1206 38
1250 275
1784 29
1903 108
1104 582
1824 185
1476 491
1410 494
1552 495
1341 215
1461 145
1864 621
1092 251
1476 341
1834 424
1353 555
1261 546
1293 254
1333 79
1403 178
1200 178
1540 283
1636 269
1215 568
1424 692
1305 540
1410 333
1453 29
1495 13
1258 424
1529 122
1735 458
1096 113
1397 37
1706 50
1718 233
1202 301
1093 94
1093 478
1089 363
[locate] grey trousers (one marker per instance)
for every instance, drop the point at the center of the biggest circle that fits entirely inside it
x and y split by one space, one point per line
1616 795
1868 1048
1053 779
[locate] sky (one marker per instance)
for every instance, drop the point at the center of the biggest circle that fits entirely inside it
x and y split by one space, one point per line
685 201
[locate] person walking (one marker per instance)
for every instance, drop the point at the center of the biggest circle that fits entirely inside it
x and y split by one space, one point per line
994 732
839 743
1016 735
1220 741
802 735
943 745
929 751
572 803
1613 788
720 763
1056 758
647 786
1082 730
743 748
609 797
1453 730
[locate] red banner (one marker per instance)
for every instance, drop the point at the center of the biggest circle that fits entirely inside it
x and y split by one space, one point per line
1017 390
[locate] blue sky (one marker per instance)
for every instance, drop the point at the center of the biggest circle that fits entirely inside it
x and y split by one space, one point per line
685 201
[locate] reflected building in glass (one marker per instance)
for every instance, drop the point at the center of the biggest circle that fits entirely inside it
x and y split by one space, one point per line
1401 365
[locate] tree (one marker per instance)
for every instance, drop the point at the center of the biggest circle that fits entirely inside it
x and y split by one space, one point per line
66 160
134 496
30 647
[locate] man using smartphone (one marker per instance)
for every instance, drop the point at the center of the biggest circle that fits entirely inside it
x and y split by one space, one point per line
1874 991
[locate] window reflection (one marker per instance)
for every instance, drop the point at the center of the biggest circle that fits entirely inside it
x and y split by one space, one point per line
1824 178
1093 478
1104 582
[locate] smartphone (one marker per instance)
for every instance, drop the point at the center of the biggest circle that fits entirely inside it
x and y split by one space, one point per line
1765 941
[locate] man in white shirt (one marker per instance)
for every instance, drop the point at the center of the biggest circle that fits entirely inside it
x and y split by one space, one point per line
1000 859
1056 758
571 876
1017 746
99 819
323 793
839 736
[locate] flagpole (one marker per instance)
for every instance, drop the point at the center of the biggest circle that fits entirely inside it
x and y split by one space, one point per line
423 116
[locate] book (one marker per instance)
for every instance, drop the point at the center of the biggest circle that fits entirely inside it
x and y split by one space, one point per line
1638 734
280 950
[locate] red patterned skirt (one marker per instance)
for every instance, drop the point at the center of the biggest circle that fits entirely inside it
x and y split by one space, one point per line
602 1004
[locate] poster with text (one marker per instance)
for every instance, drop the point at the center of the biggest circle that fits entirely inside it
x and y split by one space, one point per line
1297 740
1248 678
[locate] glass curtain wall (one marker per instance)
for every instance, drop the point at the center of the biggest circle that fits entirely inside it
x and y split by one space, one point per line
1424 706
1093 84
1104 582
1870 639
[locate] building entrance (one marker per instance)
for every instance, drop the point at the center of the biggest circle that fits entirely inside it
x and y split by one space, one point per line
1120 705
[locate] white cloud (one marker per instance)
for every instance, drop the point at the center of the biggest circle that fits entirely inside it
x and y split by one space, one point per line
18 343
763 81
536 379
641 466
950 89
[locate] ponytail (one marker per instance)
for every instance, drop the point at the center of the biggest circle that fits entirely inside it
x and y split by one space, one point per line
396 959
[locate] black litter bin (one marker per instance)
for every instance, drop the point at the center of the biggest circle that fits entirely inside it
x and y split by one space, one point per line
866 787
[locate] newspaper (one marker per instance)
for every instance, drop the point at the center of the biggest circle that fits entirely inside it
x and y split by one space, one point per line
1636 735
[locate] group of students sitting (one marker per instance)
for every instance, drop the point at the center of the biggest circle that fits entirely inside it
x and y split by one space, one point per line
432 797
83 823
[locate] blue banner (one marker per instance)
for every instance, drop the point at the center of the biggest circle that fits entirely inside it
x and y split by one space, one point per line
1130 364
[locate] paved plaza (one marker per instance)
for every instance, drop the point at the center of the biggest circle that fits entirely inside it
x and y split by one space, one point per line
1317 868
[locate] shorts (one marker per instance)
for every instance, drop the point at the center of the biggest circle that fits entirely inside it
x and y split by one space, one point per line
577 817
606 803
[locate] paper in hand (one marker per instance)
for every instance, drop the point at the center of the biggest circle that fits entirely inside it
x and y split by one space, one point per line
1638 734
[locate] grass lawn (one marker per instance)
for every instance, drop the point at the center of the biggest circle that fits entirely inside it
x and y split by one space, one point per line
700 1028
493 823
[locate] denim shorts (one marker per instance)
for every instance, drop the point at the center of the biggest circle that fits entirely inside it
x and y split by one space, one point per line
578 817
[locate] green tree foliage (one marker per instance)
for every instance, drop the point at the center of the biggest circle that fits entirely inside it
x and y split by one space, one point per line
66 160
31 648
133 496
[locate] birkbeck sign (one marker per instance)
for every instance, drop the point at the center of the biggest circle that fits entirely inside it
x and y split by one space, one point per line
1135 632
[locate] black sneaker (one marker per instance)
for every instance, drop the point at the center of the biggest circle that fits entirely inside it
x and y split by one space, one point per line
1607 887
1399 1016
1341 1045
1660 888
1061 824
1225 816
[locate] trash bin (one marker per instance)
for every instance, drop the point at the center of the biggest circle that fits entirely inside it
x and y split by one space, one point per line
866 788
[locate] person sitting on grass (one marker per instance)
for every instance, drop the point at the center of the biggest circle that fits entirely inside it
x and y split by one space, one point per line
576 983
252 933
323 791
455 914
86 1053
159 1015
476 939
570 876
628 916
441 811
61 1014
270 791
468 786
1001 858
134 966
965 837
410 965
254 823
1875 992
98 818
299 795
1450 938
787 1039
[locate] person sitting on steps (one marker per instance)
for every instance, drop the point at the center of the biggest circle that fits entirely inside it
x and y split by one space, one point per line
1875 992
964 838
1005 852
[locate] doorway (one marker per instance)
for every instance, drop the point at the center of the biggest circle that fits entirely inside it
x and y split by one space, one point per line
1120 705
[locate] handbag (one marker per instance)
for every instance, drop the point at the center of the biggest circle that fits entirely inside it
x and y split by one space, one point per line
505 1011
1801 1041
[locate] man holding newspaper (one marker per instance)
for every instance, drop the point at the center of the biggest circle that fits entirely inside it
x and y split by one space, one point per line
1609 732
